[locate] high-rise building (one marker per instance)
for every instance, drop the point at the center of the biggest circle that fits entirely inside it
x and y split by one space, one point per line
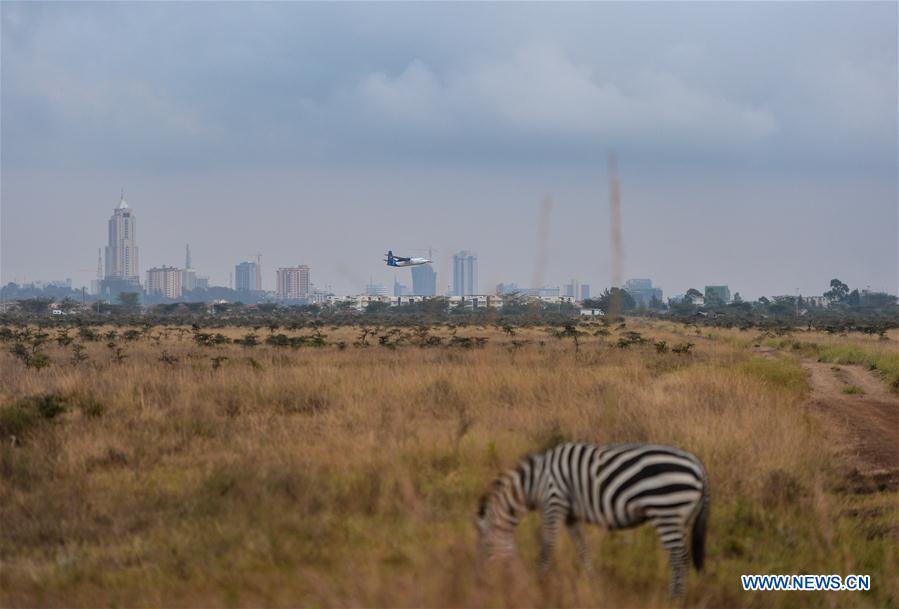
164 281
293 282
189 279
572 289
548 291
717 292
122 266
585 291
246 276
643 292
424 280
638 284
375 289
465 273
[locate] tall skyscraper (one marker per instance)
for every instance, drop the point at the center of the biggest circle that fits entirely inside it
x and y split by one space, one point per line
424 280
293 282
585 291
121 253
246 276
465 273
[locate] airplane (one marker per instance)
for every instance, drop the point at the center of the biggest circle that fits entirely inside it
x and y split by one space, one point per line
392 260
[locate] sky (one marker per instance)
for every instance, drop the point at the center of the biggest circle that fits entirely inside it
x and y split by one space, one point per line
756 141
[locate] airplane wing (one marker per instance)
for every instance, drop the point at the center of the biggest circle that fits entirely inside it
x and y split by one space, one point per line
402 258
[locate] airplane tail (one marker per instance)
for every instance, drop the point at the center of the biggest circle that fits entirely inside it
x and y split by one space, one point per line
391 261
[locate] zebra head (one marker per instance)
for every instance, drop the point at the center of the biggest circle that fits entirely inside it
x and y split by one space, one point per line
497 516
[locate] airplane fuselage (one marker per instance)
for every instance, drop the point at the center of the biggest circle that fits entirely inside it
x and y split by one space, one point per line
410 262
398 261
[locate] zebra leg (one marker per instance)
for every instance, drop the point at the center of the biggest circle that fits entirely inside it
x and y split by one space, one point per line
577 536
672 537
551 521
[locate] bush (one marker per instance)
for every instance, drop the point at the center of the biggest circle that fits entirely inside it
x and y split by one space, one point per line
16 419
22 416
91 407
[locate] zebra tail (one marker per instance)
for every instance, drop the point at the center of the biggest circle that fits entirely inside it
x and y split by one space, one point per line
699 530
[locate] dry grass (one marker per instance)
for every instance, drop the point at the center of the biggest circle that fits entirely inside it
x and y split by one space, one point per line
348 476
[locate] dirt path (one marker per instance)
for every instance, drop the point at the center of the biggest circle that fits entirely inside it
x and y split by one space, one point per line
870 417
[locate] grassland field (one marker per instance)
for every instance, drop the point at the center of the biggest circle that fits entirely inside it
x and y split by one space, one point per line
157 471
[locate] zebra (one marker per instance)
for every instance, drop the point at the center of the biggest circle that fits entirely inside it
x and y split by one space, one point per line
617 486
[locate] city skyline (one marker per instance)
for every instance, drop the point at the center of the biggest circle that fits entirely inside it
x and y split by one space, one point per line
768 163
293 283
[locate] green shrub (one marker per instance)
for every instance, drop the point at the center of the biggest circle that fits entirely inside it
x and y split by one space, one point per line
23 415
91 407
49 405
16 419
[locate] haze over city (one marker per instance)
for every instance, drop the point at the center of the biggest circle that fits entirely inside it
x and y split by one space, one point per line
756 142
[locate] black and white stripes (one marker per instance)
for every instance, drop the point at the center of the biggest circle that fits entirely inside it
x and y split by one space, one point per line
616 486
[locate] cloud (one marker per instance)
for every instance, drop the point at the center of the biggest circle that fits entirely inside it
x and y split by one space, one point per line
280 84
539 90
128 105
415 97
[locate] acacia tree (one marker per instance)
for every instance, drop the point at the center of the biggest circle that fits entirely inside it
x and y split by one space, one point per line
838 291
613 296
